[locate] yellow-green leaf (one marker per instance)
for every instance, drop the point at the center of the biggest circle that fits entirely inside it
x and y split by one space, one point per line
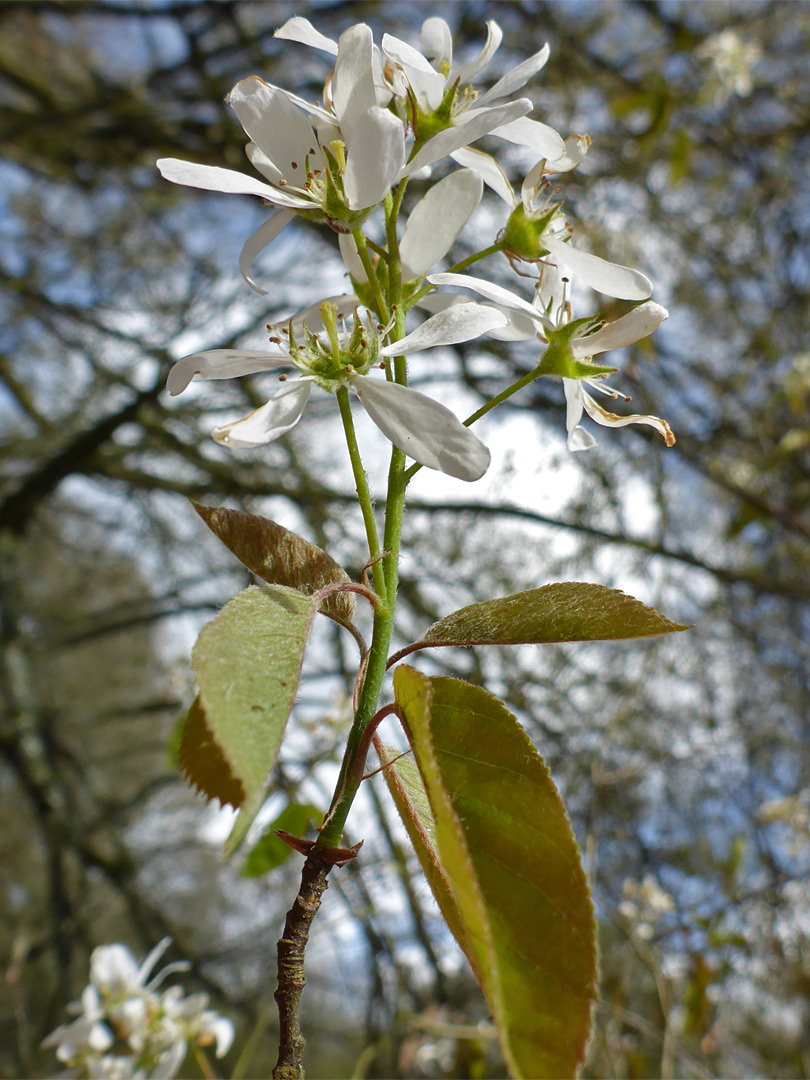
248 663
280 557
411 800
568 611
508 854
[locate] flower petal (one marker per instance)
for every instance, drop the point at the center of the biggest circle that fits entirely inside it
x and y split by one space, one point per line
609 419
454 138
262 163
437 220
437 40
274 419
461 322
578 437
302 30
516 78
213 178
263 236
541 139
220 364
488 169
612 279
376 154
491 291
465 72
427 84
353 91
576 147
422 428
630 328
277 127
113 968
518 329
351 258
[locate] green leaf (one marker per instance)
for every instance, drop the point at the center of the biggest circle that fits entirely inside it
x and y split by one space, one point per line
411 800
508 854
279 556
248 663
568 611
269 851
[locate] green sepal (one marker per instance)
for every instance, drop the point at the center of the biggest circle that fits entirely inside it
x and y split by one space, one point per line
559 359
523 233
426 125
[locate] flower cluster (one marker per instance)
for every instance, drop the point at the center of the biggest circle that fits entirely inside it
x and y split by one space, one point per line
126 1029
389 115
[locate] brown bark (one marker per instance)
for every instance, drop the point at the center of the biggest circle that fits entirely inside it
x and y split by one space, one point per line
291 979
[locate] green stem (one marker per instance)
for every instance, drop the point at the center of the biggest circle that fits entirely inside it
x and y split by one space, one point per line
371 274
363 493
504 394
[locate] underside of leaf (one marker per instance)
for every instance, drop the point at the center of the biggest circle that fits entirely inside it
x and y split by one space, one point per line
203 762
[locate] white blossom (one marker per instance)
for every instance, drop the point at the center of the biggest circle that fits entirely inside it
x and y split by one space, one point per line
571 345
422 428
291 142
126 1029
423 83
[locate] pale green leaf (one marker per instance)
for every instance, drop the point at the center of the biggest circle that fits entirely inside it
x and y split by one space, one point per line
508 854
568 611
248 663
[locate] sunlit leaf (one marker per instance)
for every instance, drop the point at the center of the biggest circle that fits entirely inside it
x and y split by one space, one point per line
410 797
269 851
279 556
508 854
248 663
568 611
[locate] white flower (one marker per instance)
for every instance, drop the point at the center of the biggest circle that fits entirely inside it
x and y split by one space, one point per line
422 428
119 1004
196 1021
537 231
432 93
335 166
571 346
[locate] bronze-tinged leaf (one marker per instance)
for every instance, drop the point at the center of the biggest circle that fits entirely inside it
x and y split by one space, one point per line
204 764
279 556
510 861
568 611
248 664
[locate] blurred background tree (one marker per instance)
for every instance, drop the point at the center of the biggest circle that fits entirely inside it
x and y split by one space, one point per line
685 763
